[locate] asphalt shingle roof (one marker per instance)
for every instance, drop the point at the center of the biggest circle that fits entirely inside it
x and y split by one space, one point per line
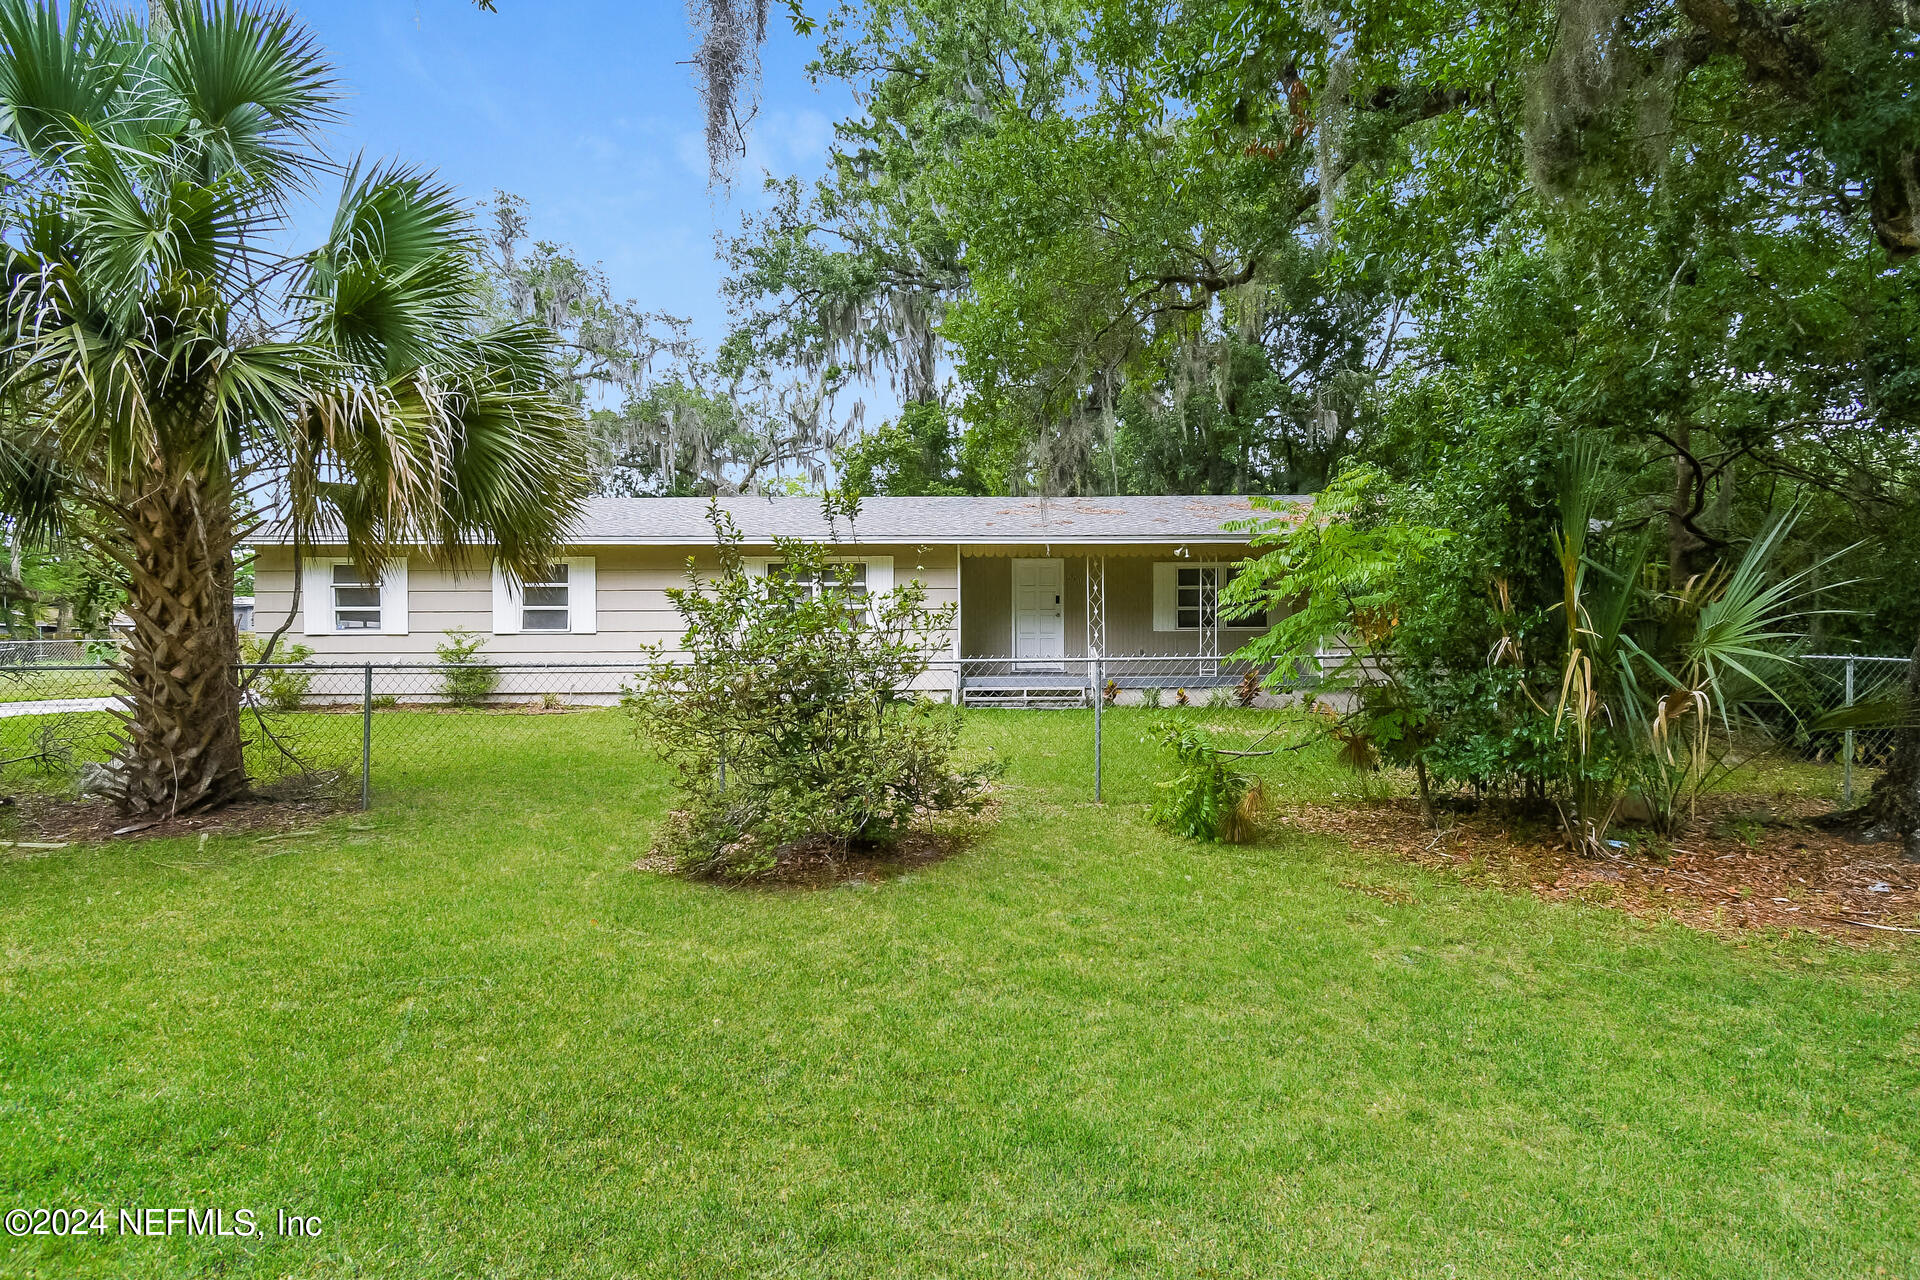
683 521
1061 520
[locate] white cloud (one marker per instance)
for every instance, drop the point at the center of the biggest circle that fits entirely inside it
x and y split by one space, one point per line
803 135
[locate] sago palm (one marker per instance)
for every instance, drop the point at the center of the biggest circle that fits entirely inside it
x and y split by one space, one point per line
166 372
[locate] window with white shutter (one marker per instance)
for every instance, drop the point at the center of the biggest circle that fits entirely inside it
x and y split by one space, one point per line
1186 597
558 599
339 598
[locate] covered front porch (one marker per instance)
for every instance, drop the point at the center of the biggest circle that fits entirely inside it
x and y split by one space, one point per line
1056 630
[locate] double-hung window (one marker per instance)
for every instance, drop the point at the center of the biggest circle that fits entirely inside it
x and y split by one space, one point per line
849 578
852 579
543 601
356 599
1187 597
338 598
556 599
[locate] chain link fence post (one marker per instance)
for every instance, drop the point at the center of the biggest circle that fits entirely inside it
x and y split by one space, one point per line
1846 750
366 740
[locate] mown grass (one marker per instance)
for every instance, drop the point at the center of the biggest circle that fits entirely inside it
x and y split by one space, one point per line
41 684
469 1038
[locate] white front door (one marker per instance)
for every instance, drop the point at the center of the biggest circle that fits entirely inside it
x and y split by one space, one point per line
1039 609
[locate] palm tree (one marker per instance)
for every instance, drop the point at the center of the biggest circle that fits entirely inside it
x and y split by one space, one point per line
1648 673
165 373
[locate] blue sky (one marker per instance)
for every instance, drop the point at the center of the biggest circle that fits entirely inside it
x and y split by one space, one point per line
587 110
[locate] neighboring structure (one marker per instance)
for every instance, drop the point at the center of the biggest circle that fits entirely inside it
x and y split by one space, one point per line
243 614
1036 581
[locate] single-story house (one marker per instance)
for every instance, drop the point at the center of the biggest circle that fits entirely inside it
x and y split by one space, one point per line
1038 583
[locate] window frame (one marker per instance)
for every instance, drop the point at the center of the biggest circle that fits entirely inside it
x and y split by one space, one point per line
583 602
879 581
565 608
320 607
336 609
816 582
1166 612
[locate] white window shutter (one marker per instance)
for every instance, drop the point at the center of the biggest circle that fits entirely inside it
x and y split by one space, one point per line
582 607
393 597
879 575
316 596
506 603
756 567
1166 597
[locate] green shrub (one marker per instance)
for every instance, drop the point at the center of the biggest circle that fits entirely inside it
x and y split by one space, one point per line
1522 637
465 682
276 686
1150 696
792 722
1207 798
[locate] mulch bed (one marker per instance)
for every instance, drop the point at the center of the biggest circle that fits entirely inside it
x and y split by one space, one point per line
827 864
1746 864
40 823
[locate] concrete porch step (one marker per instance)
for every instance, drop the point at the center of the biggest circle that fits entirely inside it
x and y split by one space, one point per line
1011 695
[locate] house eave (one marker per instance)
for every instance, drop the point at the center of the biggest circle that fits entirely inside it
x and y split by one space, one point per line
943 540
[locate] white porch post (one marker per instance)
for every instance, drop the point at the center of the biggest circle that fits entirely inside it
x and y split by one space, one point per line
1096 570
1096 575
959 624
1210 619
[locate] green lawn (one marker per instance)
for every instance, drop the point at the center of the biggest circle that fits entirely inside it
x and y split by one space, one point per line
473 1042
40 684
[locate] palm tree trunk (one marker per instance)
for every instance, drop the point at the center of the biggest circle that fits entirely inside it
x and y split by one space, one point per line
180 744
1893 807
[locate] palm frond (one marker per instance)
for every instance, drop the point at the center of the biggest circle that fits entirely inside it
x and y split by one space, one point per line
519 467
1747 624
32 487
56 76
256 89
397 279
138 227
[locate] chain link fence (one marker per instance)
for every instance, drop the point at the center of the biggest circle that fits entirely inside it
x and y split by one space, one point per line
357 729
35 653
1875 688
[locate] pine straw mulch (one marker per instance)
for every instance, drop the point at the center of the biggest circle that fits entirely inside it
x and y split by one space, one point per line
1747 863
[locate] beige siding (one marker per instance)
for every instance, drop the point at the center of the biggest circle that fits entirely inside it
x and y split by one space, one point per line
631 604
633 609
986 606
